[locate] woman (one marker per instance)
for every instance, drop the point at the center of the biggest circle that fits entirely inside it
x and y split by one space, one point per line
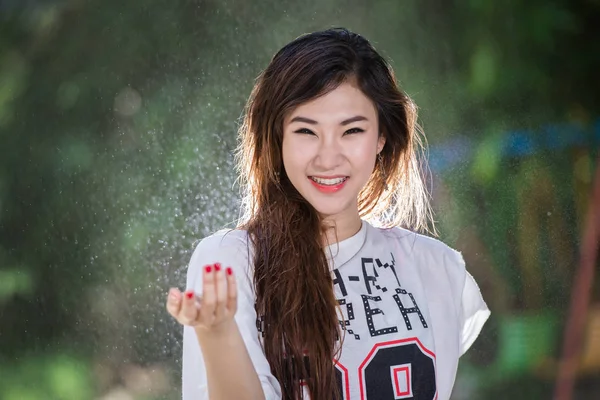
307 298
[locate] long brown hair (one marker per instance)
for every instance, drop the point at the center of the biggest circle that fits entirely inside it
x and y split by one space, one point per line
293 285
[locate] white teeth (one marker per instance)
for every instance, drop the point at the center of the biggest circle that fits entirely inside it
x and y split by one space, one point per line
329 182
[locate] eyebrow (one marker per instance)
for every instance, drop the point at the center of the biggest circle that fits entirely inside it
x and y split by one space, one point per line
344 122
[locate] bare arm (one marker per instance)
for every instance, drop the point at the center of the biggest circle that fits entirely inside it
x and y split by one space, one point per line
230 372
222 348
229 368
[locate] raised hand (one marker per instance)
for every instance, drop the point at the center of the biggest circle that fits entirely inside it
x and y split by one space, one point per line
216 306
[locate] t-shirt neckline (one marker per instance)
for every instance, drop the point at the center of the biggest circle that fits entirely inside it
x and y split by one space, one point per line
341 252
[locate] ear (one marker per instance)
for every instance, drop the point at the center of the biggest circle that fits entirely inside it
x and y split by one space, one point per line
380 143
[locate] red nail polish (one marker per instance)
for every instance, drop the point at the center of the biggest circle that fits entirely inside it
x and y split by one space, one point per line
189 294
217 267
229 271
208 268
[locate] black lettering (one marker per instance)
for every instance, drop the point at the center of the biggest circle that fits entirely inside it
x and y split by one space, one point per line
370 312
340 282
410 310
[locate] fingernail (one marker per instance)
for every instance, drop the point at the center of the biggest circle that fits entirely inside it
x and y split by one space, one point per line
229 271
189 294
208 268
217 267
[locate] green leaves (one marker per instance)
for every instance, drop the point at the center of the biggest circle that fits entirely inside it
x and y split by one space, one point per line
15 281
48 376
14 71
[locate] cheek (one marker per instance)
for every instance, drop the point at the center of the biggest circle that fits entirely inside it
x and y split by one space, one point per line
292 158
364 158
286 153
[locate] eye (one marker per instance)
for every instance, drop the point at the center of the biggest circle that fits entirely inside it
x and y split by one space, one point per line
353 130
304 131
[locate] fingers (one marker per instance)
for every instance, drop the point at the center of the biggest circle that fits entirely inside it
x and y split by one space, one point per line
209 295
189 309
217 303
174 302
231 290
221 291
182 306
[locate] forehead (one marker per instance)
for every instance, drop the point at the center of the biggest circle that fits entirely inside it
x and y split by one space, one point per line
346 100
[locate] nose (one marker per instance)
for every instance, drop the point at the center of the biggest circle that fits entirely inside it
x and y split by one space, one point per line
329 155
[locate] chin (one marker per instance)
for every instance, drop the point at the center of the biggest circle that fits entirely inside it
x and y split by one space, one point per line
329 208
329 205
328 212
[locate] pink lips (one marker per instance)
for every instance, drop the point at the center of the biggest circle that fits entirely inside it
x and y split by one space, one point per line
329 188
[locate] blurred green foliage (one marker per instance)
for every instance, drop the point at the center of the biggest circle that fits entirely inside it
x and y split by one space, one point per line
46 376
117 127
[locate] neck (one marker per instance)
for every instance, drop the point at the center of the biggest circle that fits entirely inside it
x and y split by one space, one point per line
341 228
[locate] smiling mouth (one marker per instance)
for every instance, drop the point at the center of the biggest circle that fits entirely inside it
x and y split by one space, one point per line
329 181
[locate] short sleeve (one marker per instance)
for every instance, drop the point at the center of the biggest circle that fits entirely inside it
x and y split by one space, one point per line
230 249
474 312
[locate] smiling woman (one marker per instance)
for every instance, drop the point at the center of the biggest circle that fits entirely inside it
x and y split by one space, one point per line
328 292
330 145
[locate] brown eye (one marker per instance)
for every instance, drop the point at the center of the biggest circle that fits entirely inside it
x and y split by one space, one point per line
304 131
353 130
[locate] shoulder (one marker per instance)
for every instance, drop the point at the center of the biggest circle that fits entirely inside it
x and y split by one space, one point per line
416 242
430 253
224 240
229 247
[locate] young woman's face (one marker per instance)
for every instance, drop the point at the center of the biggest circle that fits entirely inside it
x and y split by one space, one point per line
330 145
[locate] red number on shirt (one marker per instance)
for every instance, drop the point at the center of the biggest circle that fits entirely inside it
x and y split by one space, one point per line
399 369
343 382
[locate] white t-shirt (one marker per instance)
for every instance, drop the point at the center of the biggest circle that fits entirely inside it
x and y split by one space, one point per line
410 309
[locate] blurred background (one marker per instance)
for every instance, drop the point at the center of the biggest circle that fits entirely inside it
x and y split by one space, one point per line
117 126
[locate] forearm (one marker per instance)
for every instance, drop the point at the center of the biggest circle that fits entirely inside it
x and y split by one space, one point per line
229 370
